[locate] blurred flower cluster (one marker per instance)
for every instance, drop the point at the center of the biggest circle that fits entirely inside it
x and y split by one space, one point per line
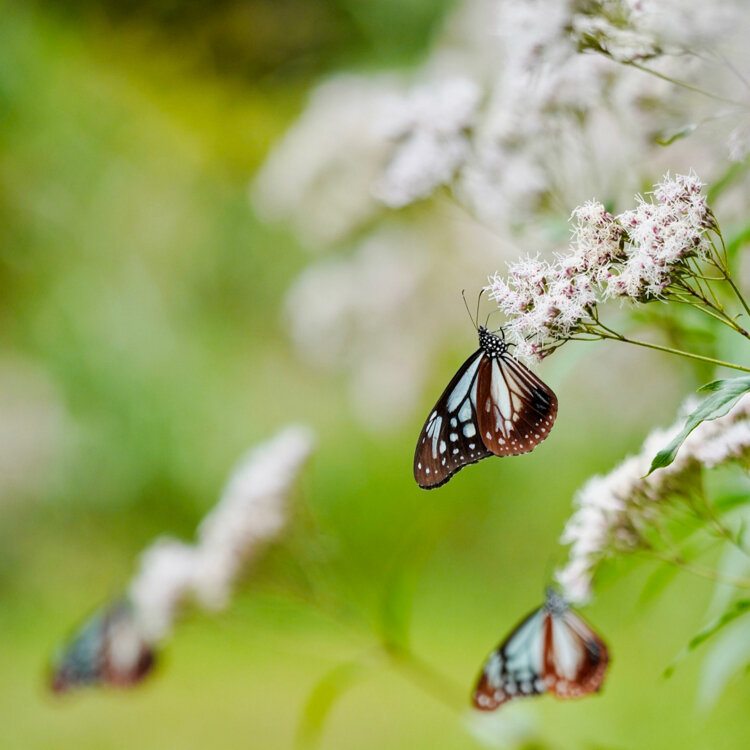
117 645
618 512
522 110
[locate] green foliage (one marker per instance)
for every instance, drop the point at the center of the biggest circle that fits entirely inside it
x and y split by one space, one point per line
135 277
322 699
724 395
737 609
668 140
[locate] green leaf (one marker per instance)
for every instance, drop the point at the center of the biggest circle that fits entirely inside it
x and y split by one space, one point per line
724 395
678 135
322 699
736 610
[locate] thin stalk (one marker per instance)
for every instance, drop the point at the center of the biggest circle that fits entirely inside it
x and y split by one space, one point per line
737 293
724 267
682 84
722 317
679 352
428 679
698 570
686 301
706 305
720 528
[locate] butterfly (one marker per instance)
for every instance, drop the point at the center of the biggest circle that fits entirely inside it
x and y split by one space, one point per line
552 650
493 406
107 650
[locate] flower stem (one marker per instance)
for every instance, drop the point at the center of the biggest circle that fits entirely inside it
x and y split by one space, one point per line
707 573
681 84
724 268
427 678
679 352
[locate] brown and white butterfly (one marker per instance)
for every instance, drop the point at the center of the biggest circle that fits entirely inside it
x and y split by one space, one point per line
493 406
553 650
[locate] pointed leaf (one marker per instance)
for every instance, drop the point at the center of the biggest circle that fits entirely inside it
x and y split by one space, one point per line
676 136
724 395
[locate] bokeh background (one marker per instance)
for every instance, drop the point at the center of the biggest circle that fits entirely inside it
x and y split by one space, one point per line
143 349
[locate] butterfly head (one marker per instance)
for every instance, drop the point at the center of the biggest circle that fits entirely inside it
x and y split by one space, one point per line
492 344
554 603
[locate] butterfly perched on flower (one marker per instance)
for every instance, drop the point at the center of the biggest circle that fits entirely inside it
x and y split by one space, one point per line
493 406
107 650
553 650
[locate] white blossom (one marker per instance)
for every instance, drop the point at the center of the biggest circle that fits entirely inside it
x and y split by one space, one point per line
429 126
508 115
252 511
319 176
612 509
637 254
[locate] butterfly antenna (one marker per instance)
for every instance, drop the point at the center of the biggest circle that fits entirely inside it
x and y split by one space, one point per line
548 582
479 299
466 305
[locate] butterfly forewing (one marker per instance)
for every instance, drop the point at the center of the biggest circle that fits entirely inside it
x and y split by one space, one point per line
450 437
515 408
515 667
548 651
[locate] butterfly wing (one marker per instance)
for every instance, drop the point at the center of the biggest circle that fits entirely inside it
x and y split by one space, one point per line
516 667
450 437
546 652
516 410
575 657
107 650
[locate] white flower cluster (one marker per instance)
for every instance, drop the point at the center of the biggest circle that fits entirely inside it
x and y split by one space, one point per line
117 645
251 512
629 30
320 174
611 510
661 235
636 254
517 124
544 303
430 127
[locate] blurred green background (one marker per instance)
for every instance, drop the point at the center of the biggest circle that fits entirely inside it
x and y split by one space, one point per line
141 353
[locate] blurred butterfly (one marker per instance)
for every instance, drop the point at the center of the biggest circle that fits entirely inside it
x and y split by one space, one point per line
107 650
493 406
552 650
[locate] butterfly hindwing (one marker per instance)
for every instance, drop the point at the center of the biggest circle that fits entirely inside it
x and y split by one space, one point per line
450 437
576 658
515 408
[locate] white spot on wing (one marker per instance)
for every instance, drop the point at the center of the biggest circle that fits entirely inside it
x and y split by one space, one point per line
462 387
465 414
566 648
499 391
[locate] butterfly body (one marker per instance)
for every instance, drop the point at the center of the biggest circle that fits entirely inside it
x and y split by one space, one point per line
552 650
493 406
